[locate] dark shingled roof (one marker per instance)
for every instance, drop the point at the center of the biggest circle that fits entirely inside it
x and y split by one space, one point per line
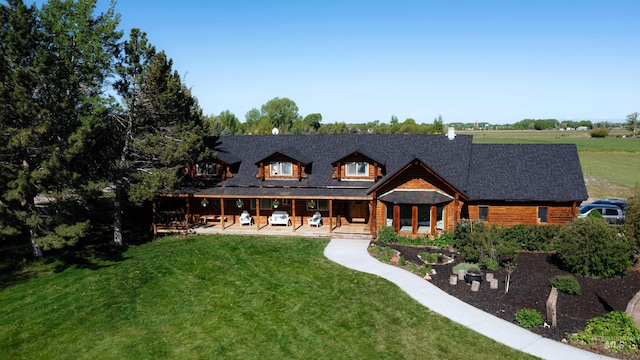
522 172
415 197
479 171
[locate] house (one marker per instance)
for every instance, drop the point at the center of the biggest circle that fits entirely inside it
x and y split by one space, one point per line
420 185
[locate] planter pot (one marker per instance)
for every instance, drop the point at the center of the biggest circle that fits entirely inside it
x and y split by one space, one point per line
470 277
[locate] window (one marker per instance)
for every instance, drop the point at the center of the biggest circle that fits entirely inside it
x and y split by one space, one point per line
281 168
318 205
357 169
265 204
286 202
205 169
542 214
483 213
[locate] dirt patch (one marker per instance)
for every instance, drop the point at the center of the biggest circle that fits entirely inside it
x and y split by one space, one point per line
529 288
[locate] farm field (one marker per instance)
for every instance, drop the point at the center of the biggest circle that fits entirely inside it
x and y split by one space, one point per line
611 166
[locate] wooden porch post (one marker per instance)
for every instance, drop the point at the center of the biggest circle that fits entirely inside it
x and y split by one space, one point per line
396 217
330 215
373 224
414 219
222 213
257 214
187 217
434 218
293 214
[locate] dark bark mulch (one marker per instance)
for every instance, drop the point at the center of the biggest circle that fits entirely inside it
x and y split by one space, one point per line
529 288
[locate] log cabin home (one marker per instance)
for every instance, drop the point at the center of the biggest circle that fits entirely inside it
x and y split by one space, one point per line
420 185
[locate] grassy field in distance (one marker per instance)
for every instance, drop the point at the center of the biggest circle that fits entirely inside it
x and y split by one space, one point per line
611 165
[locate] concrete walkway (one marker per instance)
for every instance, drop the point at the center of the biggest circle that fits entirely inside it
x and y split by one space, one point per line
353 254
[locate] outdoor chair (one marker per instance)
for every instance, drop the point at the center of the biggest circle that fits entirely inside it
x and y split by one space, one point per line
245 218
315 220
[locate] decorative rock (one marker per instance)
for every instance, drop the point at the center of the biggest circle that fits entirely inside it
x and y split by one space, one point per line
475 286
453 280
493 284
489 277
433 272
427 277
461 274
395 259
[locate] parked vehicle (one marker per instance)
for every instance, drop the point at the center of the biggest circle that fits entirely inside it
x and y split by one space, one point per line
612 213
617 202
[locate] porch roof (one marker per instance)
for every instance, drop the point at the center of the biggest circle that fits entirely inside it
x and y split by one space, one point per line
354 193
426 197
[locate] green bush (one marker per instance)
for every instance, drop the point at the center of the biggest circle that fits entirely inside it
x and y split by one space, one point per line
384 254
566 284
593 248
486 245
616 331
531 237
632 217
445 239
387 235
528 318
431 258
599 132
464 266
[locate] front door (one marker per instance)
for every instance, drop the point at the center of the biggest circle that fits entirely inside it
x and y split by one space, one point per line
359 212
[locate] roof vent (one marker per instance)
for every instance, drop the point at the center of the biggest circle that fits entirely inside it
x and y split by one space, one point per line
451 133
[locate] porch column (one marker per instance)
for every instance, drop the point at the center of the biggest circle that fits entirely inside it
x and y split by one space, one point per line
257 214
330 215
187 217
293 214
414 219
222 213
373 224
396 218
434 218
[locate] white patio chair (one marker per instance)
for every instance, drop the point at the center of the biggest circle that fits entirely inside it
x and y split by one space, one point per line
245 218
315 220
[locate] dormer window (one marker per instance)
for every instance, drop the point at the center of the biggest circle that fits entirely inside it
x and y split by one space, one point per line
359 168
281 168
207 169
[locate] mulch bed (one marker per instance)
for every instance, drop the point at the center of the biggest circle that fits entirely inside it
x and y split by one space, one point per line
529 288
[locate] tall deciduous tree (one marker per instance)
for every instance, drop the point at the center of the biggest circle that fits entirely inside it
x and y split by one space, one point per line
632 123
281 113
159 127
56 62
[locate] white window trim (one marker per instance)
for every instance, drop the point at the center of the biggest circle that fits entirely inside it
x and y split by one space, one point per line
279 167
366 168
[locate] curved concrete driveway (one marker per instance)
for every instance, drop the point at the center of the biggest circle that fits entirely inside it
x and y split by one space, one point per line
353 254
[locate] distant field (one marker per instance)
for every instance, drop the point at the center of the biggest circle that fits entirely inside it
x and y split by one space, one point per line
611 165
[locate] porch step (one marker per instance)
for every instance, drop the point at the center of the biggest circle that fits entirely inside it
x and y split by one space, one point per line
351 236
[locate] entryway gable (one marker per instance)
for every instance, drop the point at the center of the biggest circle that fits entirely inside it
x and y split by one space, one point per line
416 175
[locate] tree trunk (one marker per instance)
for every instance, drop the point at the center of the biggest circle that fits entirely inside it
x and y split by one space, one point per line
37 249
117 217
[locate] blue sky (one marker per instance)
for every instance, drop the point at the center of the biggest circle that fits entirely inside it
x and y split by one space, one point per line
359 61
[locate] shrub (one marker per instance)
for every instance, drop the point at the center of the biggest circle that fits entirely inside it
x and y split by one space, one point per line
445 239
616 332
528 318
593 248
429 257
383 253
599 133
425 270
566 284
632 217
486 245
387 235
464 266
531 237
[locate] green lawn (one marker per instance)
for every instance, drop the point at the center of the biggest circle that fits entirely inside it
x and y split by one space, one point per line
226 297
610 165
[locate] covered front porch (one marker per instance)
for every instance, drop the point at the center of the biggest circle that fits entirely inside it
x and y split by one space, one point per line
204 214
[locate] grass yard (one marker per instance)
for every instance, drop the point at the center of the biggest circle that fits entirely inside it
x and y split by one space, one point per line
611 165
226 297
